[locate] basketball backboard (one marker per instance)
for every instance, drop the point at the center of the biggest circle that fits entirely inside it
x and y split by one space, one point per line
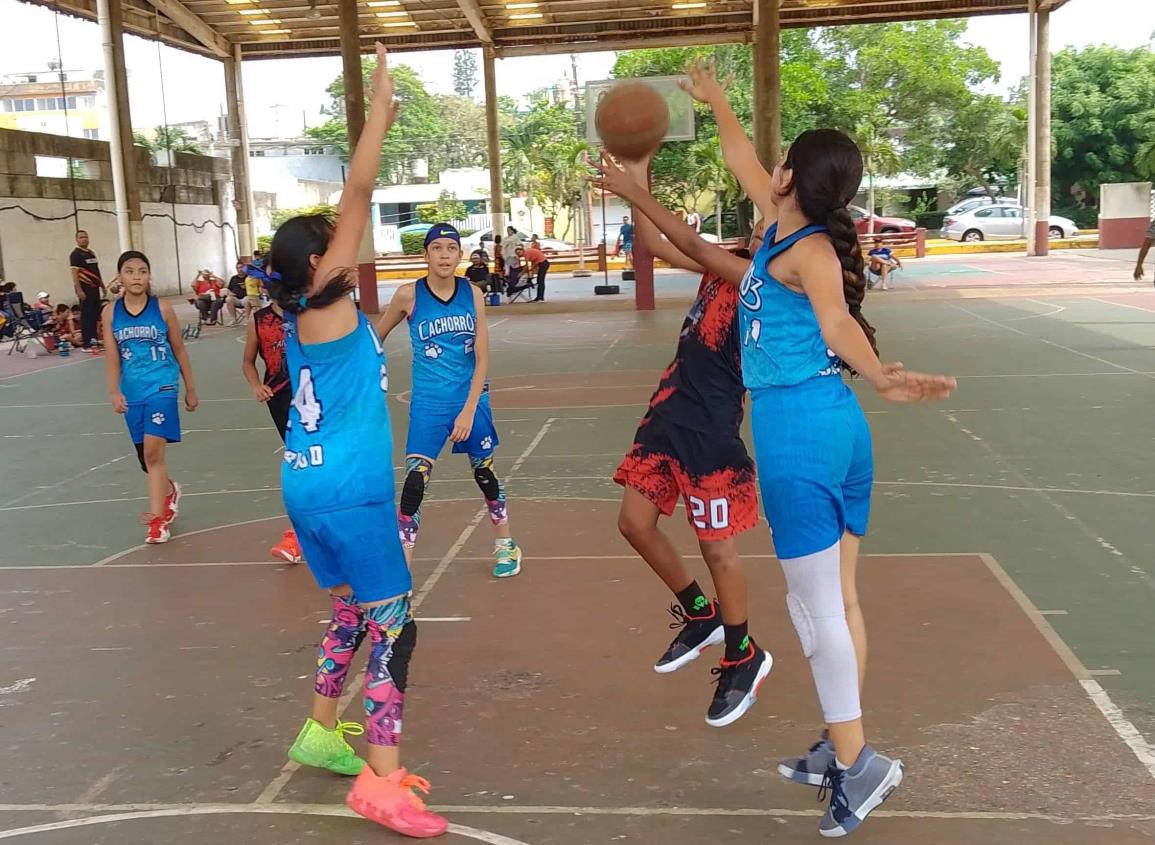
679 103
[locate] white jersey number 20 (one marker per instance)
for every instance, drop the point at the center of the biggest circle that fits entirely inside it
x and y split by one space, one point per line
306 402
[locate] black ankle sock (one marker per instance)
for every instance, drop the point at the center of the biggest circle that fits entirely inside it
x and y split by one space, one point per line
737 640
694 601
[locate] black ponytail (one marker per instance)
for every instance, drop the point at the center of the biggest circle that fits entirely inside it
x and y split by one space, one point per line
290 276
845 239
826 170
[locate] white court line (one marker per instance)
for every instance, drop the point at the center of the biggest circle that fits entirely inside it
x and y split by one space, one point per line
270 792
238 809
37 491
1087 355
1111 712
1149 311
1066 490
135 811
610 348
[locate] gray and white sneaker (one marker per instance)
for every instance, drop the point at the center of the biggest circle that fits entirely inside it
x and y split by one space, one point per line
857 791
811 768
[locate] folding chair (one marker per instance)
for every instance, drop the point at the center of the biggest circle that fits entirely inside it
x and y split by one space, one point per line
23 330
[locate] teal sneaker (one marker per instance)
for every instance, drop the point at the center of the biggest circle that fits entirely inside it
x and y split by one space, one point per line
322 748
508 554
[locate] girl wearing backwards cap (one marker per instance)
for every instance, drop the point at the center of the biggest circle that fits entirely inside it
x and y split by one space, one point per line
450 340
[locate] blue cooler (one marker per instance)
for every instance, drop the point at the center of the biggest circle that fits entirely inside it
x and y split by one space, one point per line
493 299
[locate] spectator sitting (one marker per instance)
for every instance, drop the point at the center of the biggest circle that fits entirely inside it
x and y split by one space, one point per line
7 316
238 294
882 262
208 296
258 259
478 270
41 310
66 324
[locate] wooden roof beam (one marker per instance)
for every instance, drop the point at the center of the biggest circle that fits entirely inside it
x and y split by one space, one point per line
472 11
180 15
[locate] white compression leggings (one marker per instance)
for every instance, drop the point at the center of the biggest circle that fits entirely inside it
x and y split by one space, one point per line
814 599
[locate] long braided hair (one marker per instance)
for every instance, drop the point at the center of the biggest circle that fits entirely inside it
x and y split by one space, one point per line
826 171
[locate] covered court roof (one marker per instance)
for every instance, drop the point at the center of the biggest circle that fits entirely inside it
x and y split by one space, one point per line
290 28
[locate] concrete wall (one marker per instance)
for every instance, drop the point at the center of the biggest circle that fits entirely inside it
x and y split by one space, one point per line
1124 211
34 252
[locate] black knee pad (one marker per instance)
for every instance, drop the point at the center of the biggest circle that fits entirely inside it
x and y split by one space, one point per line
487 481
402 653
412 492
140 456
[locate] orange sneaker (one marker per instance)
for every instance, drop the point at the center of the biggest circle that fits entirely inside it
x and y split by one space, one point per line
157 530
172 502
288 548
390 801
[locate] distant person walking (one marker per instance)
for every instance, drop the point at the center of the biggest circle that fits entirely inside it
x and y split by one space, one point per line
89 286
694 221
625 243
1148 240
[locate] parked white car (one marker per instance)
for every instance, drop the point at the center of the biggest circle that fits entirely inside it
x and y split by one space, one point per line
1002 222
484 240
971 203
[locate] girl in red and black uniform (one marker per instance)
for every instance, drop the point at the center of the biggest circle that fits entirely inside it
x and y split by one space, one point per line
266 337
688 447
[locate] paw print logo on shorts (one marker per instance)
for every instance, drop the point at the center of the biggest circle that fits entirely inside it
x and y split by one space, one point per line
158 418
487 443
432 350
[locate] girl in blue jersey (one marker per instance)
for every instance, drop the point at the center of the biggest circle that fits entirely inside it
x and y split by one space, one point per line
145 358
800 318
337 481
450 398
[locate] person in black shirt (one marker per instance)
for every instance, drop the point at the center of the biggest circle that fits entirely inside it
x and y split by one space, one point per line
236 294
478 271
89 286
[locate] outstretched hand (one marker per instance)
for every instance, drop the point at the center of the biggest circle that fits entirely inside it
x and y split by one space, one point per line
624 181
897 384
702 82
381 85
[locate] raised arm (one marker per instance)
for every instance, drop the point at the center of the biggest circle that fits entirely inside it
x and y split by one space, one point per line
737 149
683 237
359 184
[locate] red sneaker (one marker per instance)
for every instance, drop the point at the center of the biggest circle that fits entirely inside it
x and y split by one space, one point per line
288 548
390 801
157 530
172 503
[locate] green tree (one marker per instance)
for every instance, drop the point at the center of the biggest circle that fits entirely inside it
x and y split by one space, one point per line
447 209
880 157
464 72
280 215
710 170
987 143
174 139
1102 119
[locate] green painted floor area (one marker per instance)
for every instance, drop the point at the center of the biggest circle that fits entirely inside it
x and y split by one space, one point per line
1044 458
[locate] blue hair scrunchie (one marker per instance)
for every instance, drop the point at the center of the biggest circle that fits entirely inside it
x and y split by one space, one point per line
303 302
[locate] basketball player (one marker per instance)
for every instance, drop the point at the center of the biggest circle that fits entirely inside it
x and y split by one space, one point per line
688 446
146 355
266 337
450 401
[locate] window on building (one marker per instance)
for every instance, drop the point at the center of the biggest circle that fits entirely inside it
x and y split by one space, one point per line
92 134
45 103
258 153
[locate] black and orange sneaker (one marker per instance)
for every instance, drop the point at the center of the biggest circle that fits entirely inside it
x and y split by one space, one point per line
738 683
698 633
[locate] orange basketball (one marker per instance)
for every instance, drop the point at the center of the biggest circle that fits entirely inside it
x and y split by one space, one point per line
631 119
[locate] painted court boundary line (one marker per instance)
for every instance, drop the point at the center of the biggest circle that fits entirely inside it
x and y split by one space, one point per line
270 792
141 811
1115 717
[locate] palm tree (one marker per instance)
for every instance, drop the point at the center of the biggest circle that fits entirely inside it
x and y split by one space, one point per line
711 174
563 164
880 157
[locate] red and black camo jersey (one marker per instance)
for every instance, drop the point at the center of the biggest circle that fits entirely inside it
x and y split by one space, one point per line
702 388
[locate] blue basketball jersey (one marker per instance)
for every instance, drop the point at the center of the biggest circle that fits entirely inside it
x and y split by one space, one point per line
443 334
782 342
147 365
339 444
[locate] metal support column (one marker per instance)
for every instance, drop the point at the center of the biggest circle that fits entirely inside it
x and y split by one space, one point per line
354 125
1042 135
238 150
767 82
130 232
493 142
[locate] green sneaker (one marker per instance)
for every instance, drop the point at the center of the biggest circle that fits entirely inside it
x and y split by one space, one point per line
322 748
508 554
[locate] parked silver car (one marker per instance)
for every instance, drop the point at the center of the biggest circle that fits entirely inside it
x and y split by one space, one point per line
1002 222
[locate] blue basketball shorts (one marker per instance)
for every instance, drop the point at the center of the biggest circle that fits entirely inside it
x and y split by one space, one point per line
815 464
358 546
158 415
430 427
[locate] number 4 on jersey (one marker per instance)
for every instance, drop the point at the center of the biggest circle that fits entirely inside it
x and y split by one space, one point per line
305 401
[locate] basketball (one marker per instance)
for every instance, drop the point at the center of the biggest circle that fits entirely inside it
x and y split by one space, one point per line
631 119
